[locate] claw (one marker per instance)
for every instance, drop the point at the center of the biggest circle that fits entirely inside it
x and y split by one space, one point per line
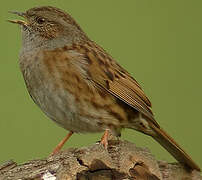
104 139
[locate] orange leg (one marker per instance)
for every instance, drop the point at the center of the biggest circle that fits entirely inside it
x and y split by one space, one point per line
60 145
104 139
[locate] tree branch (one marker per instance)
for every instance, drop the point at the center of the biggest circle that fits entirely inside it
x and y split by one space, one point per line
122 160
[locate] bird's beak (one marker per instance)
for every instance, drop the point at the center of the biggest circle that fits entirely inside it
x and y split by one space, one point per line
20 22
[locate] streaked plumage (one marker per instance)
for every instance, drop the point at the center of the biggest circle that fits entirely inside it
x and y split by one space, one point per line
81 87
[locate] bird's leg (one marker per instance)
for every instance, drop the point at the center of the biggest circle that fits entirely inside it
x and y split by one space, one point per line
104 139
60 145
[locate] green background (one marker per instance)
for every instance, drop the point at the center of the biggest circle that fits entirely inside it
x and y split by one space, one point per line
158 42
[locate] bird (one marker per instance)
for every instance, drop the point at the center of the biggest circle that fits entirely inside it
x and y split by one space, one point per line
82 88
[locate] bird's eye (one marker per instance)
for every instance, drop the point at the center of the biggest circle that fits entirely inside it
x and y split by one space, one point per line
40 20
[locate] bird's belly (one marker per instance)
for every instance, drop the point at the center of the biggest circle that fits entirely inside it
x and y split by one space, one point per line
60 105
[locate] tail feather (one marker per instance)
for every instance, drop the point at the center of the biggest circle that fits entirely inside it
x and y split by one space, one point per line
173 148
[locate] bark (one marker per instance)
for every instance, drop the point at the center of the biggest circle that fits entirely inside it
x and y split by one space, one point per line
121 161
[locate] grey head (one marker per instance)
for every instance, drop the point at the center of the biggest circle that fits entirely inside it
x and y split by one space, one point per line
48 27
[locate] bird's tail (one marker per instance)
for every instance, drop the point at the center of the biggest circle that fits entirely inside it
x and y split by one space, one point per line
173 148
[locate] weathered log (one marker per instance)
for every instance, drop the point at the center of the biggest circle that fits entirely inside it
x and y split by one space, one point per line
122 160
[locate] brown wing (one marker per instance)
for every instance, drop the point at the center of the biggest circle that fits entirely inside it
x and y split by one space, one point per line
107 74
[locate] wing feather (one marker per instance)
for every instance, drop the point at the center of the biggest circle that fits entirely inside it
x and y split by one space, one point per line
107 74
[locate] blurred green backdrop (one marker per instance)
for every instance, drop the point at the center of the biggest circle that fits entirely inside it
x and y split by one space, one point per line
159 42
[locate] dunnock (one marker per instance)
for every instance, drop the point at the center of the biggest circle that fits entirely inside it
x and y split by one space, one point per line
79 85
